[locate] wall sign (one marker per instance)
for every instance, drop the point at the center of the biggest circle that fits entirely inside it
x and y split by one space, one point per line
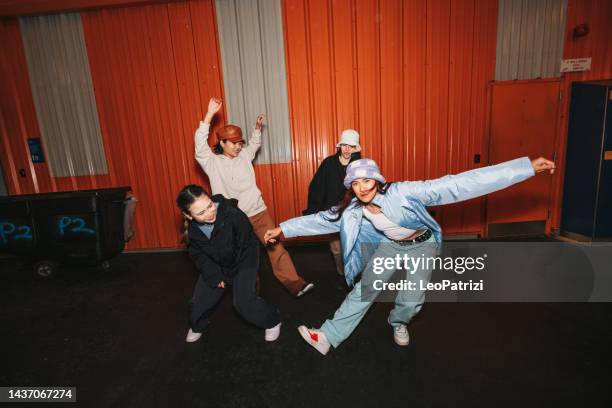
36 151
576 64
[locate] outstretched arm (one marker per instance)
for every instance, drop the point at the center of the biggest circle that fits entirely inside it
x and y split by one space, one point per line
203 154
474 183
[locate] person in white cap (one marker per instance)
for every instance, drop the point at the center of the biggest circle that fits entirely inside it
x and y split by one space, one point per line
380 221
327 189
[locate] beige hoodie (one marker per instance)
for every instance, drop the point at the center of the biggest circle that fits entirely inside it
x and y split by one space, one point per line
234 178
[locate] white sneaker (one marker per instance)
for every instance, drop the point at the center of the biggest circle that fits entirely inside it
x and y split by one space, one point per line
273 333
307 288
316 338
192 336
400 335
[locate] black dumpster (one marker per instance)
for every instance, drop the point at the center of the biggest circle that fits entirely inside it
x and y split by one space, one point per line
81 228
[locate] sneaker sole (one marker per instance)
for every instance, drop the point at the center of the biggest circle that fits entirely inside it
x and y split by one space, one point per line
401 342
307 289
193 339
271 339
303 330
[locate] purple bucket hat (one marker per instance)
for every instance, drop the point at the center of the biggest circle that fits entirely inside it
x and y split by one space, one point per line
363 168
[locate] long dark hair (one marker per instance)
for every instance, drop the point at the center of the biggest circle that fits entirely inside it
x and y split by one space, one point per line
349 194
188 195
185 198
218 149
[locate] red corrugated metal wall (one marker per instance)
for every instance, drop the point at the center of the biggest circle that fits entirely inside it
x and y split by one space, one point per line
411 76
17 114
154 69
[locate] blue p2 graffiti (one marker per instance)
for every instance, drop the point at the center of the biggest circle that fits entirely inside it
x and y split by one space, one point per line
12 231
76 225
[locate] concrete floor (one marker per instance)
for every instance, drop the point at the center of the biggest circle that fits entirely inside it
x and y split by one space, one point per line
118 336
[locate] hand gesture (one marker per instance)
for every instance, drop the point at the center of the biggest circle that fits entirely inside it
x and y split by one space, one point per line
541 164
221 285
214 105
259 121
271 236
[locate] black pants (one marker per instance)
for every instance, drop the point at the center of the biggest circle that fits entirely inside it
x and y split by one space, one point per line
252 308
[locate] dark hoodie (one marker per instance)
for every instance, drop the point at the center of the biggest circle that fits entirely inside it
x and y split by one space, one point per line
217 258
326 188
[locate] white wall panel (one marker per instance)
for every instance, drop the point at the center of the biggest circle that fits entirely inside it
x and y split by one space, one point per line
63 94
530 38
254 74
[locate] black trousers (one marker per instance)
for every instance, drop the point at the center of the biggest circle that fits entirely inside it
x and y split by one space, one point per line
251 307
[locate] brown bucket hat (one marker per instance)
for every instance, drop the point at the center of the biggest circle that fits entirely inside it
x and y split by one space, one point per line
232 133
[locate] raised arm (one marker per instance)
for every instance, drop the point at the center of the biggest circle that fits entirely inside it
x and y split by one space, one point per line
474 183
203 154
255 140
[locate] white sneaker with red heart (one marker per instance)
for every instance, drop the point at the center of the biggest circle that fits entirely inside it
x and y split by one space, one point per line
316 338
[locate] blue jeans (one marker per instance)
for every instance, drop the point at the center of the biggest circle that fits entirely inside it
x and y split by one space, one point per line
407 302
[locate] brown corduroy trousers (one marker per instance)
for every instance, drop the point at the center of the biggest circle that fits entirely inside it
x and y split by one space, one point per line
282 265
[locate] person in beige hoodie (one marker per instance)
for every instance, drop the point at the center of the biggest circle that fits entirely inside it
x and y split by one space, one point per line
230 171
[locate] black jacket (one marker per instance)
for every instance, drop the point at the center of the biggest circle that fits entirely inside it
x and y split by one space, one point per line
217 258
326 188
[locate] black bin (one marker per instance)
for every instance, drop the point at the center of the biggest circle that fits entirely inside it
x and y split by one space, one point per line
80 228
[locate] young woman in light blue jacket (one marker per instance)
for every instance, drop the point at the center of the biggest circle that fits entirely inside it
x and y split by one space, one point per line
375 212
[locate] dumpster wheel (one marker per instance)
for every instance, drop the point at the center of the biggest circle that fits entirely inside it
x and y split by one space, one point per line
45 269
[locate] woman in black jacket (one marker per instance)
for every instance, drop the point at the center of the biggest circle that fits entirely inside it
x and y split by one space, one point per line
226 253
327 189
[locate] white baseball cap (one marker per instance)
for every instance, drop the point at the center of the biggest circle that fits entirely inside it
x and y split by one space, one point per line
349 137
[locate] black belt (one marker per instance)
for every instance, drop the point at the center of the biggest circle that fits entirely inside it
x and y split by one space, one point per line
421 238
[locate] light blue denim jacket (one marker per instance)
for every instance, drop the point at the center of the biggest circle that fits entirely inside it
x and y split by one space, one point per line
405 204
